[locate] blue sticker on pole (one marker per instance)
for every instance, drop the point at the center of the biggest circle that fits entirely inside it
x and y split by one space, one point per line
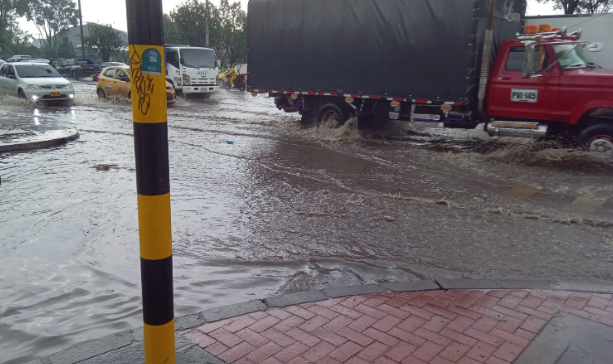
152 62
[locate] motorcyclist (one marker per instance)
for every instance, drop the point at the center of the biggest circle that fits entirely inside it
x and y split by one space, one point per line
231 75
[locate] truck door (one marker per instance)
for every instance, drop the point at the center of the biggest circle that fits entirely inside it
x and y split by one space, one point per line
514 96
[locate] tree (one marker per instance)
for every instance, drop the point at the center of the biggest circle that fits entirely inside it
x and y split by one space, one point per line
186 24
189 23
105 38
51 17
171 32
581 6
596 6
9 11
233 21
65 49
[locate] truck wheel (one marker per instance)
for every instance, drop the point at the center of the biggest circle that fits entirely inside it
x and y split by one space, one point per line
220 84
332 115
101 94
242 87
597 139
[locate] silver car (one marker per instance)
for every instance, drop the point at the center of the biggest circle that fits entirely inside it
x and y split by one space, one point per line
35 82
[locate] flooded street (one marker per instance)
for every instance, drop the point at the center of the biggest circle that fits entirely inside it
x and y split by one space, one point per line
261 206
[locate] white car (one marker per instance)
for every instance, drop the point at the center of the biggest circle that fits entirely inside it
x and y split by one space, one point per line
35 82
22 57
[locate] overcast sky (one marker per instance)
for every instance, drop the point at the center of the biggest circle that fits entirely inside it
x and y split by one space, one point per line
113 12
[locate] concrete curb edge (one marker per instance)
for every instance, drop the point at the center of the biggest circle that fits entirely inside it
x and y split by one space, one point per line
39 144
127 338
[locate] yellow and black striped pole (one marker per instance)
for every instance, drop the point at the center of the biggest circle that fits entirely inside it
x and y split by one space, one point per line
148 93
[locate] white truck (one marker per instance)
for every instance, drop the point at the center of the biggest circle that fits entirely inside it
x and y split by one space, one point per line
192 70
596 27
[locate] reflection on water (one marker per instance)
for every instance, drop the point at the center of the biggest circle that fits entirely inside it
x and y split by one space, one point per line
261 206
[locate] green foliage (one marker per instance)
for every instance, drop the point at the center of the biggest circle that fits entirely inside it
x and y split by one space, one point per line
65 49
51 17
189 22
10 10
105 38
186 24
581 6
232 37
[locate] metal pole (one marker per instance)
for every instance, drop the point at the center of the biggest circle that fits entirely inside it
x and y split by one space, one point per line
148 94
81 27
486 57
207 23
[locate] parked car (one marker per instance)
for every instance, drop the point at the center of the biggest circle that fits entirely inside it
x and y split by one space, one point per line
115 82
35 82
109 64
21 57
79 68
41 60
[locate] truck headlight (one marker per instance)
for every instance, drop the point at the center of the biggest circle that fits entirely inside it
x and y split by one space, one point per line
186 79
33 87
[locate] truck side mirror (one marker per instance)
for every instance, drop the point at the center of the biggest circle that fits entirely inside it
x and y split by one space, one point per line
595 47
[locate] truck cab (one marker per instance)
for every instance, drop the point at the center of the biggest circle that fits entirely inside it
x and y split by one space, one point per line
192 70
563 93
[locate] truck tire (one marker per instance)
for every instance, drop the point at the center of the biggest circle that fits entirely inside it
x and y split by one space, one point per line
598 139
332 114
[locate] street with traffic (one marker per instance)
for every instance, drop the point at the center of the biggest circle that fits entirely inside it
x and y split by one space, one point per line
262 206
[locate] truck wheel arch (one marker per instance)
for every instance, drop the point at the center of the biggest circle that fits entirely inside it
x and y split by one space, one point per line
593 110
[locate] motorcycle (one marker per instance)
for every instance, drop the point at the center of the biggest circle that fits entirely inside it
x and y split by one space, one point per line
239 82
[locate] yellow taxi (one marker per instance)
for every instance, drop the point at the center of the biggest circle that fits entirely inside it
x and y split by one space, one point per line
115 82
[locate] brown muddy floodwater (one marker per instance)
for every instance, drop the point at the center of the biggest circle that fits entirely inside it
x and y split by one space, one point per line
262 207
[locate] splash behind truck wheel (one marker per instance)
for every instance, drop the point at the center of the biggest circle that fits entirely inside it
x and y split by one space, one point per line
192 70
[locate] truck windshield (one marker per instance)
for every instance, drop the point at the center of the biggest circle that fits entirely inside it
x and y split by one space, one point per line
568 57
198 58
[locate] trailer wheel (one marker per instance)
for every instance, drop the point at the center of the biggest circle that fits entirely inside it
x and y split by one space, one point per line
332 115
597 139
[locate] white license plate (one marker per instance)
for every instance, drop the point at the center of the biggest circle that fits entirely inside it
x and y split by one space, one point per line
524 95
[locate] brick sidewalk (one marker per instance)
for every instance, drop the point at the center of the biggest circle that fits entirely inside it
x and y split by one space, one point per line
437 327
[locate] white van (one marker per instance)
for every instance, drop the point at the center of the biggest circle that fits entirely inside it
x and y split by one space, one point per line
192 70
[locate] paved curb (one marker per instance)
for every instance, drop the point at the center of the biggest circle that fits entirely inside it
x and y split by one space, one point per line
129 343
44 140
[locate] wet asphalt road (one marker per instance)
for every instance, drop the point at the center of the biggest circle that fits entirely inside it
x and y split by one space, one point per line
260 207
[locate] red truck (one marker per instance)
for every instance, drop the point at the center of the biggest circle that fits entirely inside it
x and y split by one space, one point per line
452 63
